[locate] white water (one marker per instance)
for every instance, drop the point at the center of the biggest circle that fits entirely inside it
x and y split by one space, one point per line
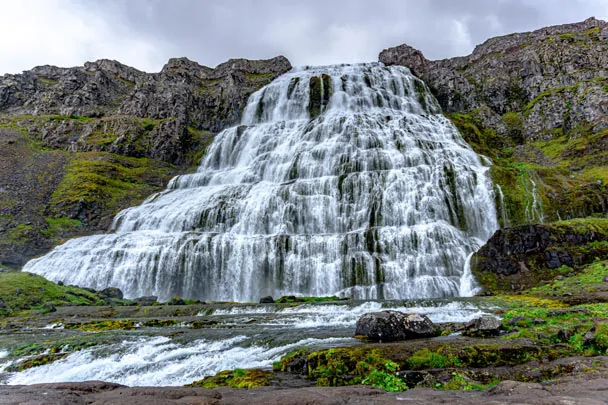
533 212
3 354
377 197
335 316
159 361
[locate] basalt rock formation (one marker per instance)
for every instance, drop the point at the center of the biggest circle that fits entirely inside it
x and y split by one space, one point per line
537 104
78 144
523 257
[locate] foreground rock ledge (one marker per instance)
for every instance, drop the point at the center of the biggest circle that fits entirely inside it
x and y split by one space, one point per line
571 391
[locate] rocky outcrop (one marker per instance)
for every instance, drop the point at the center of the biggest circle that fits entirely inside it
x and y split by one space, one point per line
78 144
107 106
390 326
522 257
555 77
484 326
536 103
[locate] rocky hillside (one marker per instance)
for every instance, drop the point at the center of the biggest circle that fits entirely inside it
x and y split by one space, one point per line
79 144
536 103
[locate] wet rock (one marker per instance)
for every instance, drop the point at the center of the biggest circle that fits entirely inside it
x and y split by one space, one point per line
484 326
390 326
521 257
267 300
146 300
517 73
177 301
111 293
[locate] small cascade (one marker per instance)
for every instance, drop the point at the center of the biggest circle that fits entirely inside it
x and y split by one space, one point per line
503 208
533 212
342 180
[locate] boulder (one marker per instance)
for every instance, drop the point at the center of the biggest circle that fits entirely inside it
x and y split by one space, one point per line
483 327
394 325
267 300
111 293
147 300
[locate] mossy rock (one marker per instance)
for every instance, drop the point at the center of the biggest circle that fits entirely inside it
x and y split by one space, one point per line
237 378
522 257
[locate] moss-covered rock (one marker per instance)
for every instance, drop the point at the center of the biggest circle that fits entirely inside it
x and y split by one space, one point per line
237 378
522 257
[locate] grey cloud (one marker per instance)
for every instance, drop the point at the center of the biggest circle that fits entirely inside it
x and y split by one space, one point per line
332 31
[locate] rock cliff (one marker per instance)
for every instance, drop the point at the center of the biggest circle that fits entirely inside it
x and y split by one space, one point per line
78 144
537 104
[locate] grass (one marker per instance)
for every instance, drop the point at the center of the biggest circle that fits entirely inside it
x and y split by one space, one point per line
109 181
24 291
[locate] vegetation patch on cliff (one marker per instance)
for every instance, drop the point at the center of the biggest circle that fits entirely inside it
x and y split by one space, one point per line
23 291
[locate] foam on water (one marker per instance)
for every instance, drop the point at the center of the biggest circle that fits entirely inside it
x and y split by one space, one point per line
333 316
159 361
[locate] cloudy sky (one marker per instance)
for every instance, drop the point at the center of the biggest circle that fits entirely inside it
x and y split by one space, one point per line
145 33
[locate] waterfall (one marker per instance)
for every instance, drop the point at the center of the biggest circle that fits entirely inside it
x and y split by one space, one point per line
503 208
533 212
342 180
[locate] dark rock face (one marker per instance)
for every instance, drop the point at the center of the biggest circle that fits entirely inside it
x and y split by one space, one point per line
267 300
183 95
552 77
520 257
111 293
483 327
147 300
388 326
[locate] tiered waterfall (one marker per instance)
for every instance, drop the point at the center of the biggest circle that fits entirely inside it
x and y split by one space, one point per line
340 180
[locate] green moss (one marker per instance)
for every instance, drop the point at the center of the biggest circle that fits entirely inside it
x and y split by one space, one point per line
320 91
350 366
22 291
577 282
425 359
460 382
109 181
20 234
483 140
566 327
105 325
237 378
61 226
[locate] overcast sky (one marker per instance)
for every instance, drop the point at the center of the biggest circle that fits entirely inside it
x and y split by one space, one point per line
146 33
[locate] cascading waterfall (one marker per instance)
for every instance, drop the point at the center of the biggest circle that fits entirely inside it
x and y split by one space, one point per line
342 180
503 208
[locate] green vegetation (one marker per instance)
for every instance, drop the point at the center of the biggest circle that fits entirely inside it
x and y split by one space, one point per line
574 282
24 291
347 366
580 242
576 329
425 358
109 181
60 226
105 325
237 378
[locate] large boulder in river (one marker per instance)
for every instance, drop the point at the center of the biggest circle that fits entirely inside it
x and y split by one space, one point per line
394 325
483 327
